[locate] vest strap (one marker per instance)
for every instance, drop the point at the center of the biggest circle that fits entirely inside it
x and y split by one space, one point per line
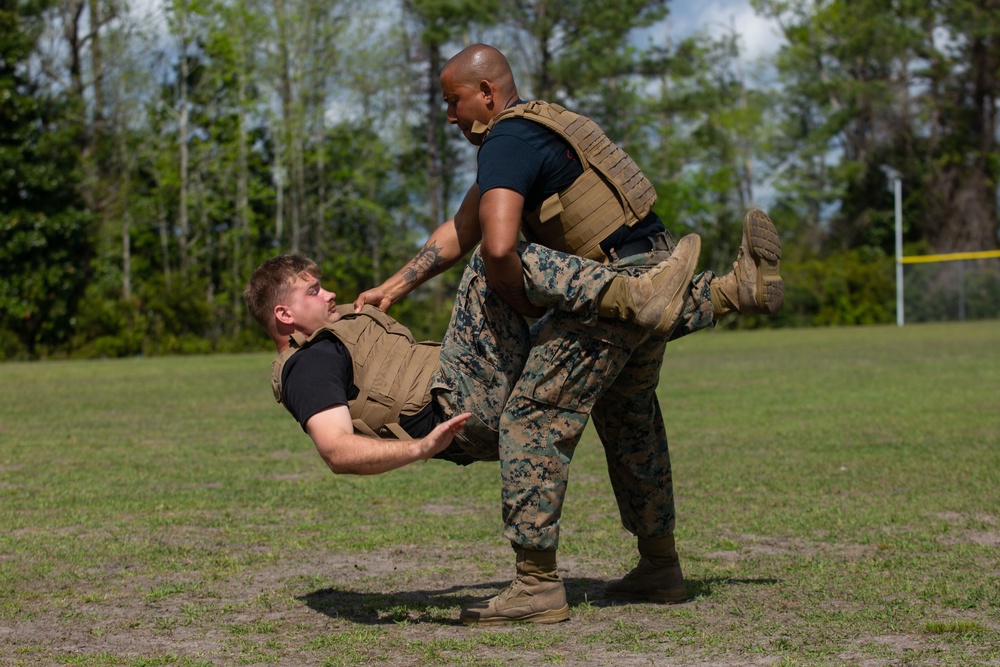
362 428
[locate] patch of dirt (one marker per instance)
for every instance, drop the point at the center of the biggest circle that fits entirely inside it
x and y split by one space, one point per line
965 535
443 510
959 517
406 595
896 644
984 538
765 545
398 607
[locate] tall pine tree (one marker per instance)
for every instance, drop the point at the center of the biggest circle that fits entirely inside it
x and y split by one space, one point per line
45 235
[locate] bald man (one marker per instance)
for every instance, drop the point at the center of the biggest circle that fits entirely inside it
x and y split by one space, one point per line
554 176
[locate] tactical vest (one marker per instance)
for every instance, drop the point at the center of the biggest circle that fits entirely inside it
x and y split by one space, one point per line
610 192
392 372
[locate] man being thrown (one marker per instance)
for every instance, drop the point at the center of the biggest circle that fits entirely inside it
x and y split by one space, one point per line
373 400
555 176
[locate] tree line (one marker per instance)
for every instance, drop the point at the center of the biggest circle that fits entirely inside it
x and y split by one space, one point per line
153 153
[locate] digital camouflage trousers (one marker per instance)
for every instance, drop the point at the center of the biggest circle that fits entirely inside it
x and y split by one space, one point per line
532 390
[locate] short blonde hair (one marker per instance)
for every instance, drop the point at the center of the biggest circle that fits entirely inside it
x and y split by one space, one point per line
270 283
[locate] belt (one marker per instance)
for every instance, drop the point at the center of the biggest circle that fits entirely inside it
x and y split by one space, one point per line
657 241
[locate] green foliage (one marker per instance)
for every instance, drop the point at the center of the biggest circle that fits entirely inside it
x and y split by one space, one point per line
847 288
316 127
582 52
869 88
41 278
45 237
109 326
709 126
442 20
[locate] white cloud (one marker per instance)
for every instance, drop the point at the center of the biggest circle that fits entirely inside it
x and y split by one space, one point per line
760 36
716 17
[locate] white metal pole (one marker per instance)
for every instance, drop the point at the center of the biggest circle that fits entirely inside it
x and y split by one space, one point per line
898 186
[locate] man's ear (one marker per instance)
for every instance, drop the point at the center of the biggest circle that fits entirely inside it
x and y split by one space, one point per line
487 90
282 314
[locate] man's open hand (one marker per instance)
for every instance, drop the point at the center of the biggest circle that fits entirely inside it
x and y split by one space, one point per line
442 435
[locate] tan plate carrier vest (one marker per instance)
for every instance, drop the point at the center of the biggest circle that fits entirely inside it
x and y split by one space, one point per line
610 192
392 372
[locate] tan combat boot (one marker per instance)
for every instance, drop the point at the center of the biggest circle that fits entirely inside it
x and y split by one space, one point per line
657 577
655 299
536 595
754 285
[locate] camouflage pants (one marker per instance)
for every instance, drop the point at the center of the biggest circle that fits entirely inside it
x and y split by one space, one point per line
482 355
487 342
531 392
567 282
576 369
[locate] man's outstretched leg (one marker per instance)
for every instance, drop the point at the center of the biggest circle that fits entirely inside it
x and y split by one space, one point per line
669 299
753 286
653 299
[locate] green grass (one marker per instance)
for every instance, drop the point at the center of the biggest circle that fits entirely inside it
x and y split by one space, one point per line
838 498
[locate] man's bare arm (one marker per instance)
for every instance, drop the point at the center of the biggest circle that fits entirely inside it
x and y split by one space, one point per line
500 217
448 244
426 264
332 431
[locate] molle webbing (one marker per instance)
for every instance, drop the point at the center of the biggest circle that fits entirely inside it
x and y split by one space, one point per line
611 192
392 372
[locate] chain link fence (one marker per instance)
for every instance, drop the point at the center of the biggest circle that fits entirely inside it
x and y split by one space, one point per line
967 289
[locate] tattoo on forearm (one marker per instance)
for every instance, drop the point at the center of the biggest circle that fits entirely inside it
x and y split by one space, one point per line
426 264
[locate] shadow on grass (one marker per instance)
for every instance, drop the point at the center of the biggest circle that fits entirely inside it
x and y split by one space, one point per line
441 606
591 591
426 606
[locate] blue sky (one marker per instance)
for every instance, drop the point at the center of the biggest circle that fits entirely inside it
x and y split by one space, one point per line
760 35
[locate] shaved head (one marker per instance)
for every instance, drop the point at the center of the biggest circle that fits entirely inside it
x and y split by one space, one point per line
482 62
477 84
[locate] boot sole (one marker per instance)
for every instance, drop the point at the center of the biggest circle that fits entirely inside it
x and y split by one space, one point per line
765 251
542 617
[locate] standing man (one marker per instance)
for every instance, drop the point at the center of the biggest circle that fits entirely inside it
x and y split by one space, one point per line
555 177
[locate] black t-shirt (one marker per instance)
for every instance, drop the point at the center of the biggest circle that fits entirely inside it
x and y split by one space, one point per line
526 157
534 161
321 376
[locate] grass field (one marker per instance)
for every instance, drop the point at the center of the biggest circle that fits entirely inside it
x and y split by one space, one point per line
838 496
